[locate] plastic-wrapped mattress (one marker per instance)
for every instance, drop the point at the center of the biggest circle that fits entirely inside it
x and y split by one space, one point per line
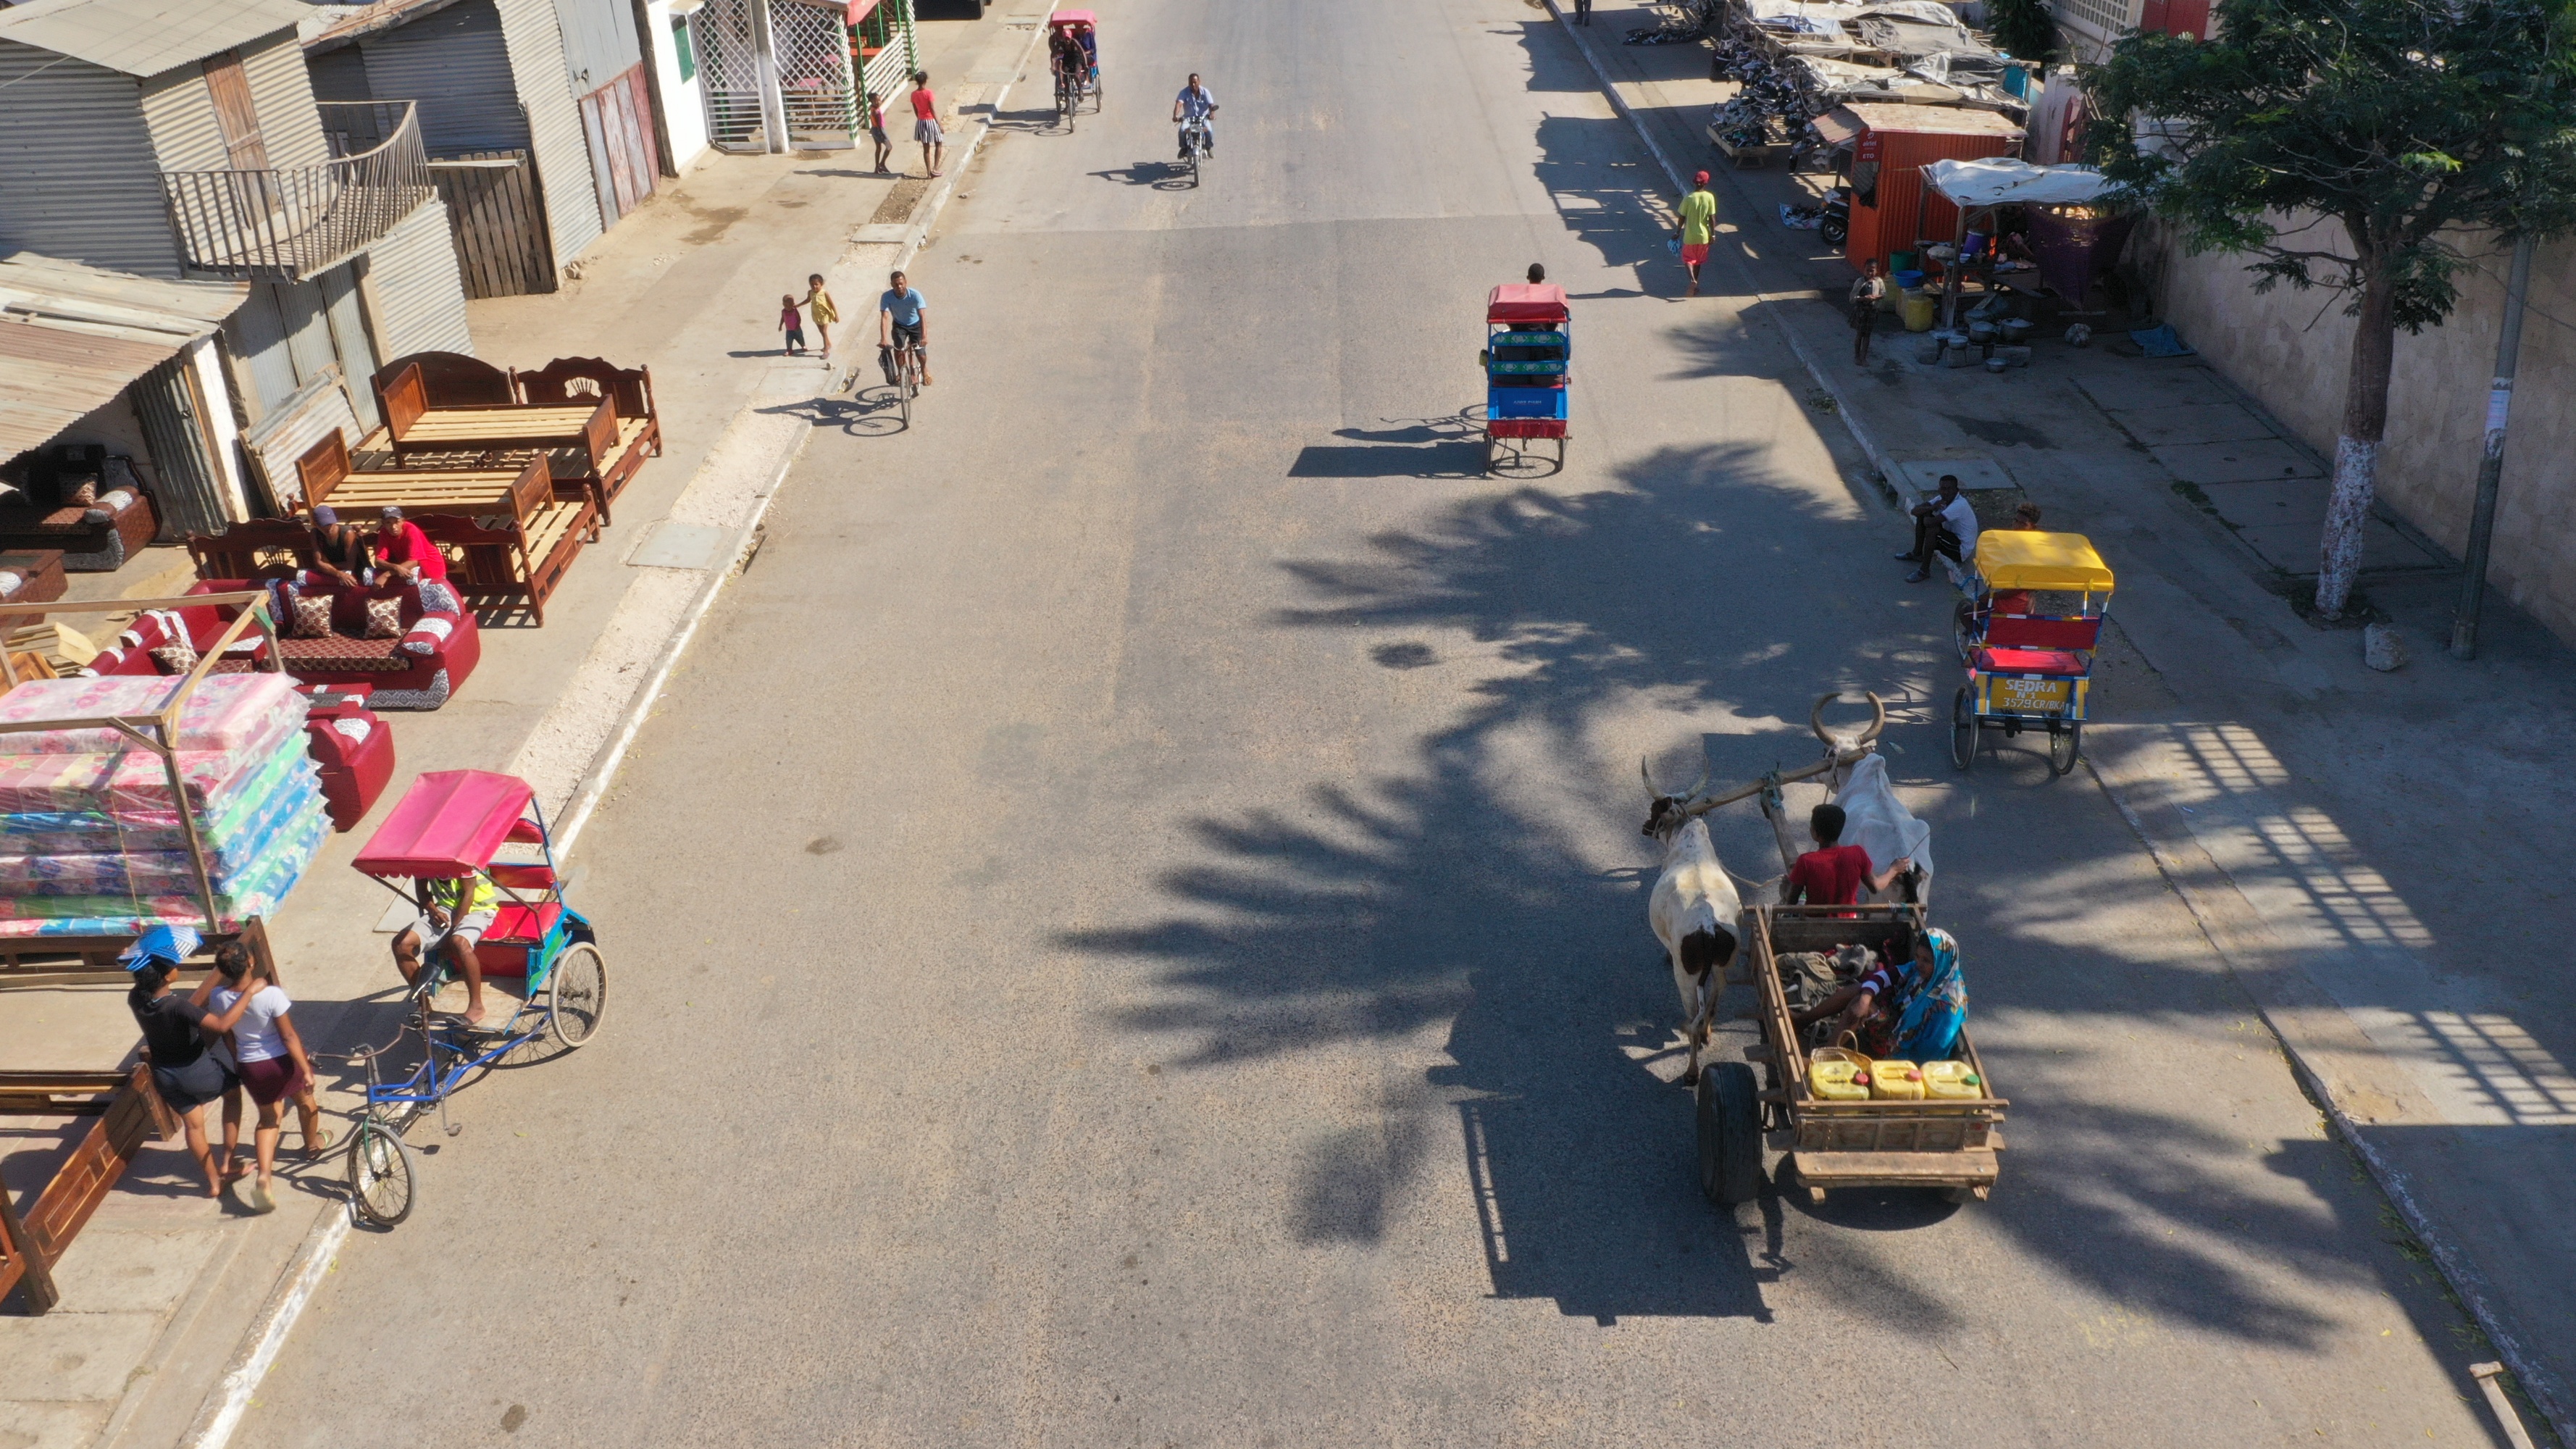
231 856
38 775
255 893
240 806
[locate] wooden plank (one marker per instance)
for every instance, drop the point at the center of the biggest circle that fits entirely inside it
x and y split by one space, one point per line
1896 1169
23 1263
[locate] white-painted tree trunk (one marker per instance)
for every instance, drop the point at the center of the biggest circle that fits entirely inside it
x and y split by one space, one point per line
2365 425
2356 482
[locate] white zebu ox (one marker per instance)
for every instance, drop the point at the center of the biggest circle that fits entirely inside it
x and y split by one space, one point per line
1873 818
1693 910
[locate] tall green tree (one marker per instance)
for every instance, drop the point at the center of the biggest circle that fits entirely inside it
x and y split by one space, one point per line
2026 29
2352 145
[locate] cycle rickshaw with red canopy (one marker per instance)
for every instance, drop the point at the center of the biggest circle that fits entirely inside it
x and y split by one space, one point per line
1080 28
1527 348
454 825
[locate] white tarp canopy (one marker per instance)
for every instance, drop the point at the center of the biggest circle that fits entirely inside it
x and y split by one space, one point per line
1998 181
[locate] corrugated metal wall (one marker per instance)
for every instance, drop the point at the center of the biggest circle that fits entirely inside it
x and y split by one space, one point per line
349 339
256 337
599 41
182 117
554 125
97 202
455 63
290 431
339 75
419 298
281 90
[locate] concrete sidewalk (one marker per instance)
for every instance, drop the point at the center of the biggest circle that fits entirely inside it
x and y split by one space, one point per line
2377 856
171 1306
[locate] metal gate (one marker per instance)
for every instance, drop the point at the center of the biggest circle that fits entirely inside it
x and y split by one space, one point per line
811 46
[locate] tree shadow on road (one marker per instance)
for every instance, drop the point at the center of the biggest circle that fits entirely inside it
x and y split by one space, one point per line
1456 894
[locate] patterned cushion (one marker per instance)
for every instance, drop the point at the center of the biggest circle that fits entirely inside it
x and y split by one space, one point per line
384 619
312 616
86 494
340 654
178 657
438 598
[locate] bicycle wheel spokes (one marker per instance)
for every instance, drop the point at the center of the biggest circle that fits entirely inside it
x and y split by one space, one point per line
380 1174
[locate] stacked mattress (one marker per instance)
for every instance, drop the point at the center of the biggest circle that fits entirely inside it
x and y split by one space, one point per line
91 840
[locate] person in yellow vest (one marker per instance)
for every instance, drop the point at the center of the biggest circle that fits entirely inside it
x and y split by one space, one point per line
454 915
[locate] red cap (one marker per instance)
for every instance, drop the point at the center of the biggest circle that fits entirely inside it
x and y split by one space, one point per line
1701 178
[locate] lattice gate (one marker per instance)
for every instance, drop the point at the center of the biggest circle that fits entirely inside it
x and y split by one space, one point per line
729 74
814 76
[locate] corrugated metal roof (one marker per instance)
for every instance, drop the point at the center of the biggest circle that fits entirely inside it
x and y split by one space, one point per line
72 337
146 37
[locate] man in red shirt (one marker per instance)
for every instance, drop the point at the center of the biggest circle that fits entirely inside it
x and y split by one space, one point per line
1831 874
405 550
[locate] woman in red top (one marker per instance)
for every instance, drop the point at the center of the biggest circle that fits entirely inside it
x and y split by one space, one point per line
925 123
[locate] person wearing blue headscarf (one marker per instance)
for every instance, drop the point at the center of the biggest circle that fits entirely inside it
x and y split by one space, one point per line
1935 1001
177 1035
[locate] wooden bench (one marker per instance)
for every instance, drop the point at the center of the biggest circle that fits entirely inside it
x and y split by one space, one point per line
414 427
501 558
257 548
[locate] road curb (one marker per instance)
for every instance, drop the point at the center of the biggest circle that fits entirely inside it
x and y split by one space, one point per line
221 1414
2449 1258
2458 1271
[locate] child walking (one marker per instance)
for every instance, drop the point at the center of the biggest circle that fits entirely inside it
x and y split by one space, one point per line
792 322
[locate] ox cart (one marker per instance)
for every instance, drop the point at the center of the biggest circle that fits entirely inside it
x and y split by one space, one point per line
1947 1144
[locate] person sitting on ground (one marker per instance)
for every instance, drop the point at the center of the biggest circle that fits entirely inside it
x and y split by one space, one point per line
339 550
406 551
268 1056
1832 874
1945 524
454 915
177 1033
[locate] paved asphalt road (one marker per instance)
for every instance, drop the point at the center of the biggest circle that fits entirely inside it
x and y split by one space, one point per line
1129 930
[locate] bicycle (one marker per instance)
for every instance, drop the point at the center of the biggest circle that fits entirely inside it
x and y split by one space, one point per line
907 380
1194 144
1068 95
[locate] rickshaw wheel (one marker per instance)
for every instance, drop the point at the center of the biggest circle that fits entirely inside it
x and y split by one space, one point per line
1963 629
1963 730
380 1174
577 994
2065 744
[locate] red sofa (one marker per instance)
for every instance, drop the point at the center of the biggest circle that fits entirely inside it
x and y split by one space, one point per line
438 648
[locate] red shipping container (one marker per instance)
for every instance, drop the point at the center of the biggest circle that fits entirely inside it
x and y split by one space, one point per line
1899 140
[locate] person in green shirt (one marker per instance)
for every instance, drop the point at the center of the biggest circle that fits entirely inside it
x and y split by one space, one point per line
454 916
1697 225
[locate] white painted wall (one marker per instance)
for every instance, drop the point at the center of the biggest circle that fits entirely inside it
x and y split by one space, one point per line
683 102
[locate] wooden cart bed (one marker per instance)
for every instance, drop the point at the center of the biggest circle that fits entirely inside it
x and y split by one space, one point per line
1948 1143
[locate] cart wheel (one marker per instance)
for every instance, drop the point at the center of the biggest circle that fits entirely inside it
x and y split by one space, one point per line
1963 630
1730 1134
1963 730
2064 745
576 994
380 1174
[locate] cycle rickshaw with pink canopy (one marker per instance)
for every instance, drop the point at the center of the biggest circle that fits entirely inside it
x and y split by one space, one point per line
454 825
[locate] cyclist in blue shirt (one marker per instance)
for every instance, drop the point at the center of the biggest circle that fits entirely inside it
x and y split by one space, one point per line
1195 104
903 322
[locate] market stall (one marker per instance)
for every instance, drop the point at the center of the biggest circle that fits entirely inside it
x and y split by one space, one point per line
2068 232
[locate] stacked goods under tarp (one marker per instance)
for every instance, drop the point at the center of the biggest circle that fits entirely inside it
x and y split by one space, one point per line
91 840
